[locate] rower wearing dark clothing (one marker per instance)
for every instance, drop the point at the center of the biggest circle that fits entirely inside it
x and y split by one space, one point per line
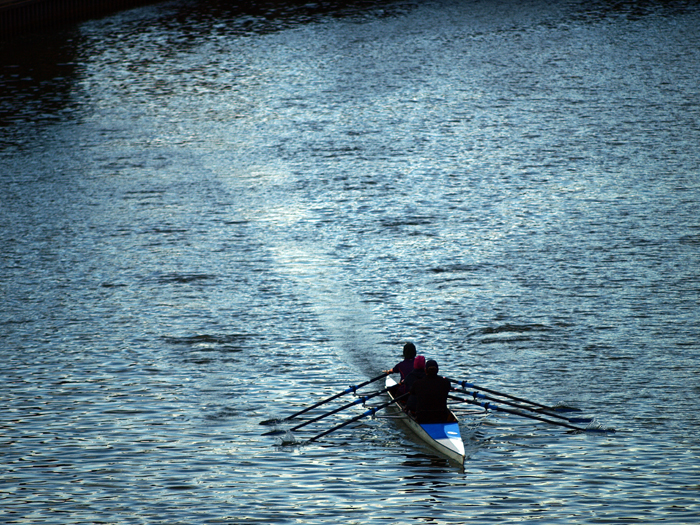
431 396
417 373
405 367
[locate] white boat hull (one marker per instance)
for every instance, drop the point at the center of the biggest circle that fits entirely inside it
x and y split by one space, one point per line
443 437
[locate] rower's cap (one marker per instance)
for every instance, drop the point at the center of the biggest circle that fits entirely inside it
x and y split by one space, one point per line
419 362
431 364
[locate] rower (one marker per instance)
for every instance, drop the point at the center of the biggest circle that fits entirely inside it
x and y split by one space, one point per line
417 373
405 367
431 396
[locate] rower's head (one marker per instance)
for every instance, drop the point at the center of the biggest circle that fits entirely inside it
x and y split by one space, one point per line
419 362
431 367
409 351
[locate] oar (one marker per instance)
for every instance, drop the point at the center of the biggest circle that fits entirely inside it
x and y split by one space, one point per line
370 412
490 406
464 384
346 391
476 394
358 401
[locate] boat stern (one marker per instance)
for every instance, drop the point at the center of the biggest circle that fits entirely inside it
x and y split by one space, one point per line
448 436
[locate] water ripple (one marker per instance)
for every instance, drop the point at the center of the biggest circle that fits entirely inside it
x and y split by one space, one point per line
214 216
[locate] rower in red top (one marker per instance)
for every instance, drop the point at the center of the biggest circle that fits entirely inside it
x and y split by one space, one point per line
405 367
431 396
418 373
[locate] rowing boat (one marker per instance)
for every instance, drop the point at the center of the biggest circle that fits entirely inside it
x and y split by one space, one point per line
443 437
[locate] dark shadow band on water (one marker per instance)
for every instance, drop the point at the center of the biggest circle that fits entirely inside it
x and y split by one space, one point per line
18 17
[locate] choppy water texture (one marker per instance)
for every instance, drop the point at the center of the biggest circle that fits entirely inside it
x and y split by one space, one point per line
213 216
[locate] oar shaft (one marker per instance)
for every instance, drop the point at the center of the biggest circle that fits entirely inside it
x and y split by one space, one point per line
352 388
476 394
369 412
358 401
490 406
464 384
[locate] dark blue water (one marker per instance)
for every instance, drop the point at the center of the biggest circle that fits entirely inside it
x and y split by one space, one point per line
213 216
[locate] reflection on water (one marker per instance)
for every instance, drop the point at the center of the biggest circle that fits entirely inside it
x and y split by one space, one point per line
213 215
37 76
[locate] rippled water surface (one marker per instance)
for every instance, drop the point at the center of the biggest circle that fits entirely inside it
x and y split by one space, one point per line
213 216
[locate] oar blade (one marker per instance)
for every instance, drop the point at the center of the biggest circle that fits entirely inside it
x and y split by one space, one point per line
273 433
580 420
269 422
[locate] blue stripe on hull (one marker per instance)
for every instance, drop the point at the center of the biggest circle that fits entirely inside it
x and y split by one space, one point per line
442 430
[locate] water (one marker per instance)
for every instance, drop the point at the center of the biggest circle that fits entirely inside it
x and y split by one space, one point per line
213 217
